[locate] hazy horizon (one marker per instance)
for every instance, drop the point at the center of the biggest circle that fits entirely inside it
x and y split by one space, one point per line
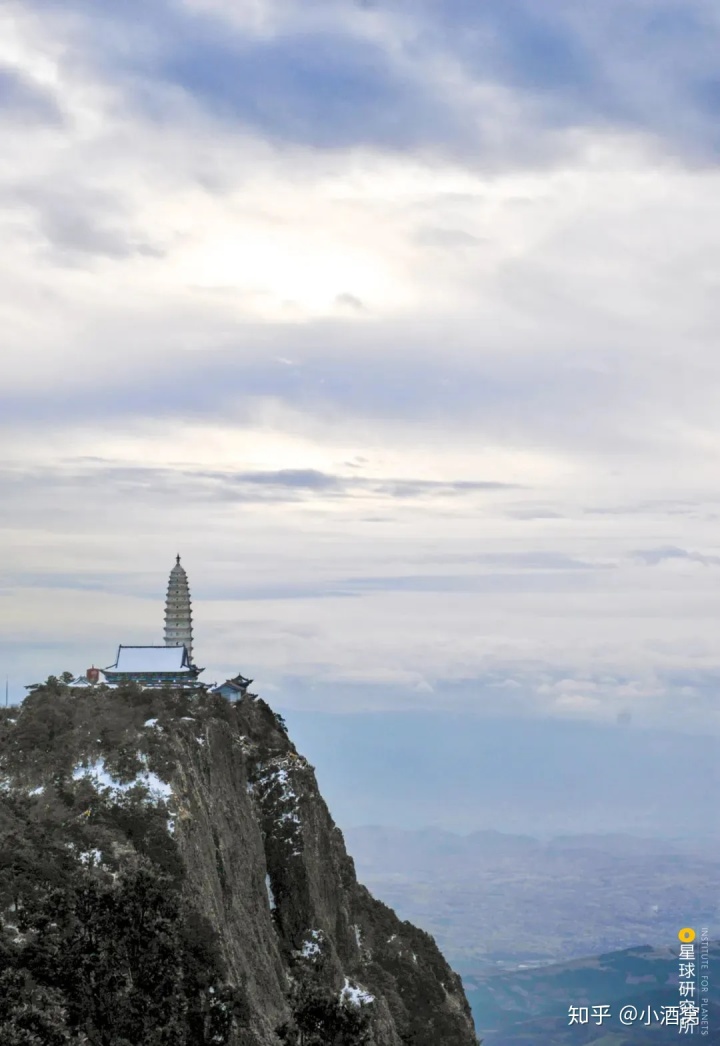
465 773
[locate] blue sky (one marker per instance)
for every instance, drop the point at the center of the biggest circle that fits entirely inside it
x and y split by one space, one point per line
398 320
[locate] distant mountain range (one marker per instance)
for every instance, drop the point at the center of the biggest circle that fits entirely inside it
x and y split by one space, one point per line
531 1007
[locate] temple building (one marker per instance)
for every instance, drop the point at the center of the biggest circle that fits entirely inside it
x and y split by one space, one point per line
168 665
234 688
152 666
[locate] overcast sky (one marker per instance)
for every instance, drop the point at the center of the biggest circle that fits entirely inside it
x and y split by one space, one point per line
398 320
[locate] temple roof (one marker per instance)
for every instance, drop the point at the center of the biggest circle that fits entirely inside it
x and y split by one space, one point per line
238 681
150 659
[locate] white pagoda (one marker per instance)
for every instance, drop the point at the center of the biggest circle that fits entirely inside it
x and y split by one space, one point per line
158 665
178 610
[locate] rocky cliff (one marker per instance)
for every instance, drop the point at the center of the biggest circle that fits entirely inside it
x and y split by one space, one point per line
169 873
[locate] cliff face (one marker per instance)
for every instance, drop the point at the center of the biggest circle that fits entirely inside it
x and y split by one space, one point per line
208 804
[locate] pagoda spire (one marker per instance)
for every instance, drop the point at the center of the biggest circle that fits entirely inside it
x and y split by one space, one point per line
178 610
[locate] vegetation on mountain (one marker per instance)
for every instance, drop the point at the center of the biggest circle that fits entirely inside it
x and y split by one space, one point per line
169 875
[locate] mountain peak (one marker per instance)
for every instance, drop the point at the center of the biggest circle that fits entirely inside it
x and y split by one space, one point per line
182 835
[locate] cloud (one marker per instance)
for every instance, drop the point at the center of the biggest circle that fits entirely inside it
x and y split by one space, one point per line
671 554
21 99
633 68
399 321
449 238
321 89
498 83
72 226
198 484
351 301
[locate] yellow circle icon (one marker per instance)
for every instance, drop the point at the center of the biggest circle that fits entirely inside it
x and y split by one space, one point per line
686 935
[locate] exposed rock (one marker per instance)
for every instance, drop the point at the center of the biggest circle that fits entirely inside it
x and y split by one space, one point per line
235 818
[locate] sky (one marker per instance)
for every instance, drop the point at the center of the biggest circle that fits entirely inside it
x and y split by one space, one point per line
397 320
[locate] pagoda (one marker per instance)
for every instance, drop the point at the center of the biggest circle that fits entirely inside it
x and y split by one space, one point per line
178 610
168 665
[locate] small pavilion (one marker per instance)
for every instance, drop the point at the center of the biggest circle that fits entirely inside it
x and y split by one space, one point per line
234 688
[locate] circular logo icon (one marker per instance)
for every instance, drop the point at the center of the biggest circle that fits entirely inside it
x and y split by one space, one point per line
686 935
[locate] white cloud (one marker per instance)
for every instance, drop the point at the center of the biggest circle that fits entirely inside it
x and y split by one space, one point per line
179 307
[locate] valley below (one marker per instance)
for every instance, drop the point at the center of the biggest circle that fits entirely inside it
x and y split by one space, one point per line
536 926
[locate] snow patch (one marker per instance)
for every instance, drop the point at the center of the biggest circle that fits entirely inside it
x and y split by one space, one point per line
150 722
271 895
100 777
355 995
278 775
312 946
37 791
90 857
274 785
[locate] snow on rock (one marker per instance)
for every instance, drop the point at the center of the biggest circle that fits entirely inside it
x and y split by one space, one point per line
98 774
156 786
355 995
37 791
312 945
90 857
275 790
150 722
276 777
271 895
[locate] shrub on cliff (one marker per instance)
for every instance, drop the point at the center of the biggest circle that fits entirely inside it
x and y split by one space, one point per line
86 957
319 1018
